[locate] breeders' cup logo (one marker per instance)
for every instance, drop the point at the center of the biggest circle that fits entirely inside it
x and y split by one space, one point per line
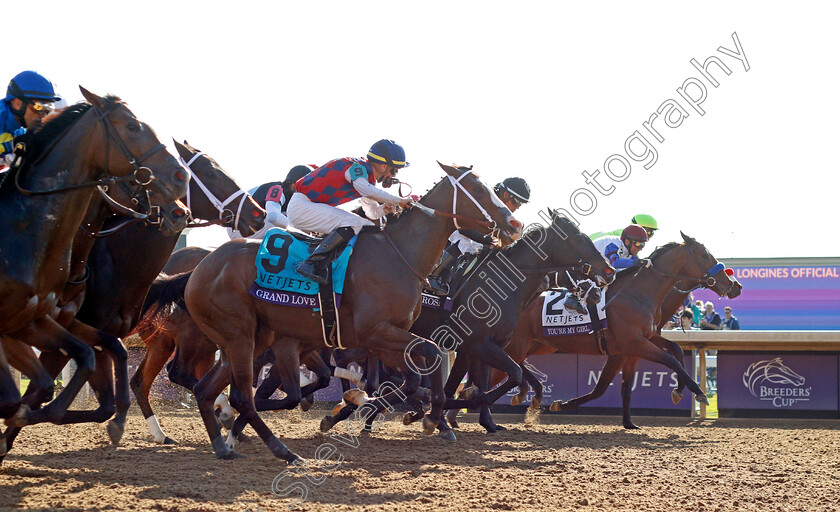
774 382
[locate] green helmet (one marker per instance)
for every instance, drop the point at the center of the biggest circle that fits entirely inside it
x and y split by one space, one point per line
645 220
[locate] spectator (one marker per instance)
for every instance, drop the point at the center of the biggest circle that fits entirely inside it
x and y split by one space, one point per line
685 319
697 309
710 320
729 323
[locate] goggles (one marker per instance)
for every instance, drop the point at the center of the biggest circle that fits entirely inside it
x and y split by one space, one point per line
637 244
650 232
43 109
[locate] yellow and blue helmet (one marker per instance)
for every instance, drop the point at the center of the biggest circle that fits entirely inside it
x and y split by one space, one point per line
388 152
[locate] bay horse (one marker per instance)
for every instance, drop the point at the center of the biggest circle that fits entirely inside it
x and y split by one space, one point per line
522 347
90 144
634 314
493 295
382 298
123 266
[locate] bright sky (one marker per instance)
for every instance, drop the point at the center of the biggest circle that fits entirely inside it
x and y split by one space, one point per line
544 90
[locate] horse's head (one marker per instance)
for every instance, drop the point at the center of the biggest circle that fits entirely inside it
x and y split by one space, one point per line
477 205
171 218
570 246
710 272
129 146
212 193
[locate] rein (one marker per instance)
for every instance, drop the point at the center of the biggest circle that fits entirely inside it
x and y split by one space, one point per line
422 279
225 214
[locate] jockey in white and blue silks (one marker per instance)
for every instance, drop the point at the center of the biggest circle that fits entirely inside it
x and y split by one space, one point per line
621 252
29 97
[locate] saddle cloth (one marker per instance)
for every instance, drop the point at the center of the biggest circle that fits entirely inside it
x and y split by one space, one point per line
556 321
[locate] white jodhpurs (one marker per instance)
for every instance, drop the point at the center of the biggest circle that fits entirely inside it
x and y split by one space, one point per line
306 215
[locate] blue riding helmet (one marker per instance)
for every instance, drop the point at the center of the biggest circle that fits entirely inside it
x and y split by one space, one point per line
389 152
31 85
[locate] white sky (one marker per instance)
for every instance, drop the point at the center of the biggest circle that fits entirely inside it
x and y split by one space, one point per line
542 90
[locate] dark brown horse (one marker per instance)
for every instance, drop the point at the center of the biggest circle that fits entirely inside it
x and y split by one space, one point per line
43 203
522 347
382 298
633 316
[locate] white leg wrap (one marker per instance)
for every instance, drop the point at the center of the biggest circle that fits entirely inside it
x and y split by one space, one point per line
304 379
154 428
231 441
226 410
350 375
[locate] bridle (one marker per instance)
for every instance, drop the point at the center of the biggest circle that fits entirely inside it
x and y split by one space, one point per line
142 176
226 215
706 281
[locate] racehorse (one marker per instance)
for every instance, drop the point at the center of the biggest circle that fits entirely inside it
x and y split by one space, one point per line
522 347
490 300
634 312
382 298
64 159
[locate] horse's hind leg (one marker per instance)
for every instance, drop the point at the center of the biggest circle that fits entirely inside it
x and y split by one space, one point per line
206 391
47 335
645 349
159 347
536 385
524 387
628 375
611 367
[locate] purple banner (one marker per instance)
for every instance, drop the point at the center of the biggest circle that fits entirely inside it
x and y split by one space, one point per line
784 298
295 300
567 376
568 330
777 381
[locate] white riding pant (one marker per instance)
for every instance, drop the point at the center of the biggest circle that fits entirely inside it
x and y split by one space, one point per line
306 215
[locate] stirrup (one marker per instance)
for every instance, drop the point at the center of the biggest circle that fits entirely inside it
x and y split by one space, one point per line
572 303
308 270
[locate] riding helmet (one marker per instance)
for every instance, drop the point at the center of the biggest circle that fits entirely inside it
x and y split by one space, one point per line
635 233
31 85
516 187
645 220
389 152
297 172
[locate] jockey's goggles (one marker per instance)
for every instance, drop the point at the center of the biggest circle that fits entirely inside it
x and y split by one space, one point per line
42 108
637 244
650 232
515 200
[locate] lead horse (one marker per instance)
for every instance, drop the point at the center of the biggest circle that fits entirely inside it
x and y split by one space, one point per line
42 203
382 298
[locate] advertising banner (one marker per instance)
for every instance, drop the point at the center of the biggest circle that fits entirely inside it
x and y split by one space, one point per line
777 382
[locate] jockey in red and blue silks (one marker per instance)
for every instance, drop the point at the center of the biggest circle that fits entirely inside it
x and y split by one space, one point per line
313 205
29 97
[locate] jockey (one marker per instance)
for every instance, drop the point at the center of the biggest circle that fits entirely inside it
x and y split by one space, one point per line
642 219
514 192
313 205
274 198
29 97
621 252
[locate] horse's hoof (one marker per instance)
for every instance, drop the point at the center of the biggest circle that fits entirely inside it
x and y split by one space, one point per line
327 423
516 400
3 449
21 417
630 426
429 426
535 404
702 399
408 418
231 455
469 393
676 396
499 427
338 408
356 397
115 432
169 440
555 406
306 403
448 435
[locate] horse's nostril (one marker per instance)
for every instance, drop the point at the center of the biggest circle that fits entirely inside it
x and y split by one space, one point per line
179 213
180 176
256 214
608 270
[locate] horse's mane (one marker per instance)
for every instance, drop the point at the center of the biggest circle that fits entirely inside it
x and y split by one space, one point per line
40 138
662 250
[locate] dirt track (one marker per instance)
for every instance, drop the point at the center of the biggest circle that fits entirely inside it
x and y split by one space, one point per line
579 463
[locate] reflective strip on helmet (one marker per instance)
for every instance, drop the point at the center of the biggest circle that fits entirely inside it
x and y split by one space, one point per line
381 159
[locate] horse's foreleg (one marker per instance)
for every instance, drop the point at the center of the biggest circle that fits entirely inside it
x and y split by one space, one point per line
535 384
159 347
206 391
645 349
611 367
676 351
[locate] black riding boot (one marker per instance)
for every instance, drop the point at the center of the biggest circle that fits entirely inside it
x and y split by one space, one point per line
442 274
315 266
572 303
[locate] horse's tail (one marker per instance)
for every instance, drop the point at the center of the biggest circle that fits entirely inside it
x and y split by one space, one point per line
165 295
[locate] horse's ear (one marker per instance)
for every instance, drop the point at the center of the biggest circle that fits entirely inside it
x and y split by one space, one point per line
450 170
92 98
685 237
182 150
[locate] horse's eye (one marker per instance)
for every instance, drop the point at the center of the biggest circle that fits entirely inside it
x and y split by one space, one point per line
133 127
